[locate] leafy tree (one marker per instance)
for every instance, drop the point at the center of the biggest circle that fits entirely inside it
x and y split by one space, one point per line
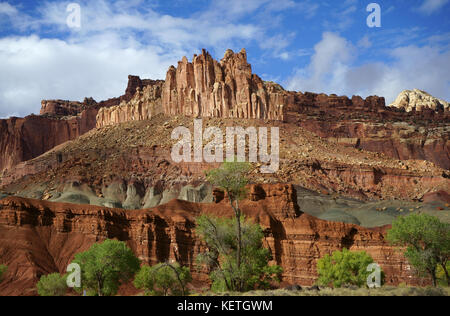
52 285
163 279
105 266
427 242
344 268
227 275
440 275
231 177
3 269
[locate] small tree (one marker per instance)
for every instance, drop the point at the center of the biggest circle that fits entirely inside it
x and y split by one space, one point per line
344 268
3 269
231 177
253 272
427 243
105 266
163 279
52 285
442 279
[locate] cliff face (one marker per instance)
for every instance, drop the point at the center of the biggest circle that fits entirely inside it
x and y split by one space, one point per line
40 237
145 104
202 88
61 108
228 89
23 139
370 125
225 89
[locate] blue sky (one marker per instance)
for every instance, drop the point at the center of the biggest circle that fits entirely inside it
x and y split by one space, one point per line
305 45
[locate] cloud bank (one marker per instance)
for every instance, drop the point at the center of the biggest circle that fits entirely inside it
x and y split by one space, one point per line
333 68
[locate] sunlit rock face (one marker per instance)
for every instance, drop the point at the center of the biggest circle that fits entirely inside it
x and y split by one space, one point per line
226 89
417 100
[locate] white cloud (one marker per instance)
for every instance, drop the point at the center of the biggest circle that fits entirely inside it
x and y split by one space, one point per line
332 69
365 42
429 7
115 39
34 68
7 9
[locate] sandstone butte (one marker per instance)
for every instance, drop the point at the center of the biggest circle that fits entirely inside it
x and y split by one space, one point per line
38 237
228 89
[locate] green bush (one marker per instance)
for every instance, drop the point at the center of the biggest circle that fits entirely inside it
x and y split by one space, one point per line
226 275
105 266
3 269
163 279
52 285
344 268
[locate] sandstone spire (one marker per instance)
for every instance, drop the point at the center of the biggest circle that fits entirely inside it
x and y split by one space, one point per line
227 89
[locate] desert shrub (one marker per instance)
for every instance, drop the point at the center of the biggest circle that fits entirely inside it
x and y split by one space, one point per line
427 242
52 285
163 279
105 266
253 272
344 268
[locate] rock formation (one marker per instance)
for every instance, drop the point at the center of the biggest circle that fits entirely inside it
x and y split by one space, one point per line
22 139
226 89
417 100
145 103
61 108
370 125
39 237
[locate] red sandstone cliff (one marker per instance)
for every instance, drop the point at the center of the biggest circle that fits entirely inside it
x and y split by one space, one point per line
369 125
226 89
38 238
22 139
145 104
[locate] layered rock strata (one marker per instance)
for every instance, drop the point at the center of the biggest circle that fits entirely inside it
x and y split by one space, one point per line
39 237
145 104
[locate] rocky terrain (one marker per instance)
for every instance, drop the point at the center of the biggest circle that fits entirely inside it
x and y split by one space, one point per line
38 237
348 168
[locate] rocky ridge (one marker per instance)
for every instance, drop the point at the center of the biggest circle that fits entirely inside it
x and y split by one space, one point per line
54 232
228 89
139 153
